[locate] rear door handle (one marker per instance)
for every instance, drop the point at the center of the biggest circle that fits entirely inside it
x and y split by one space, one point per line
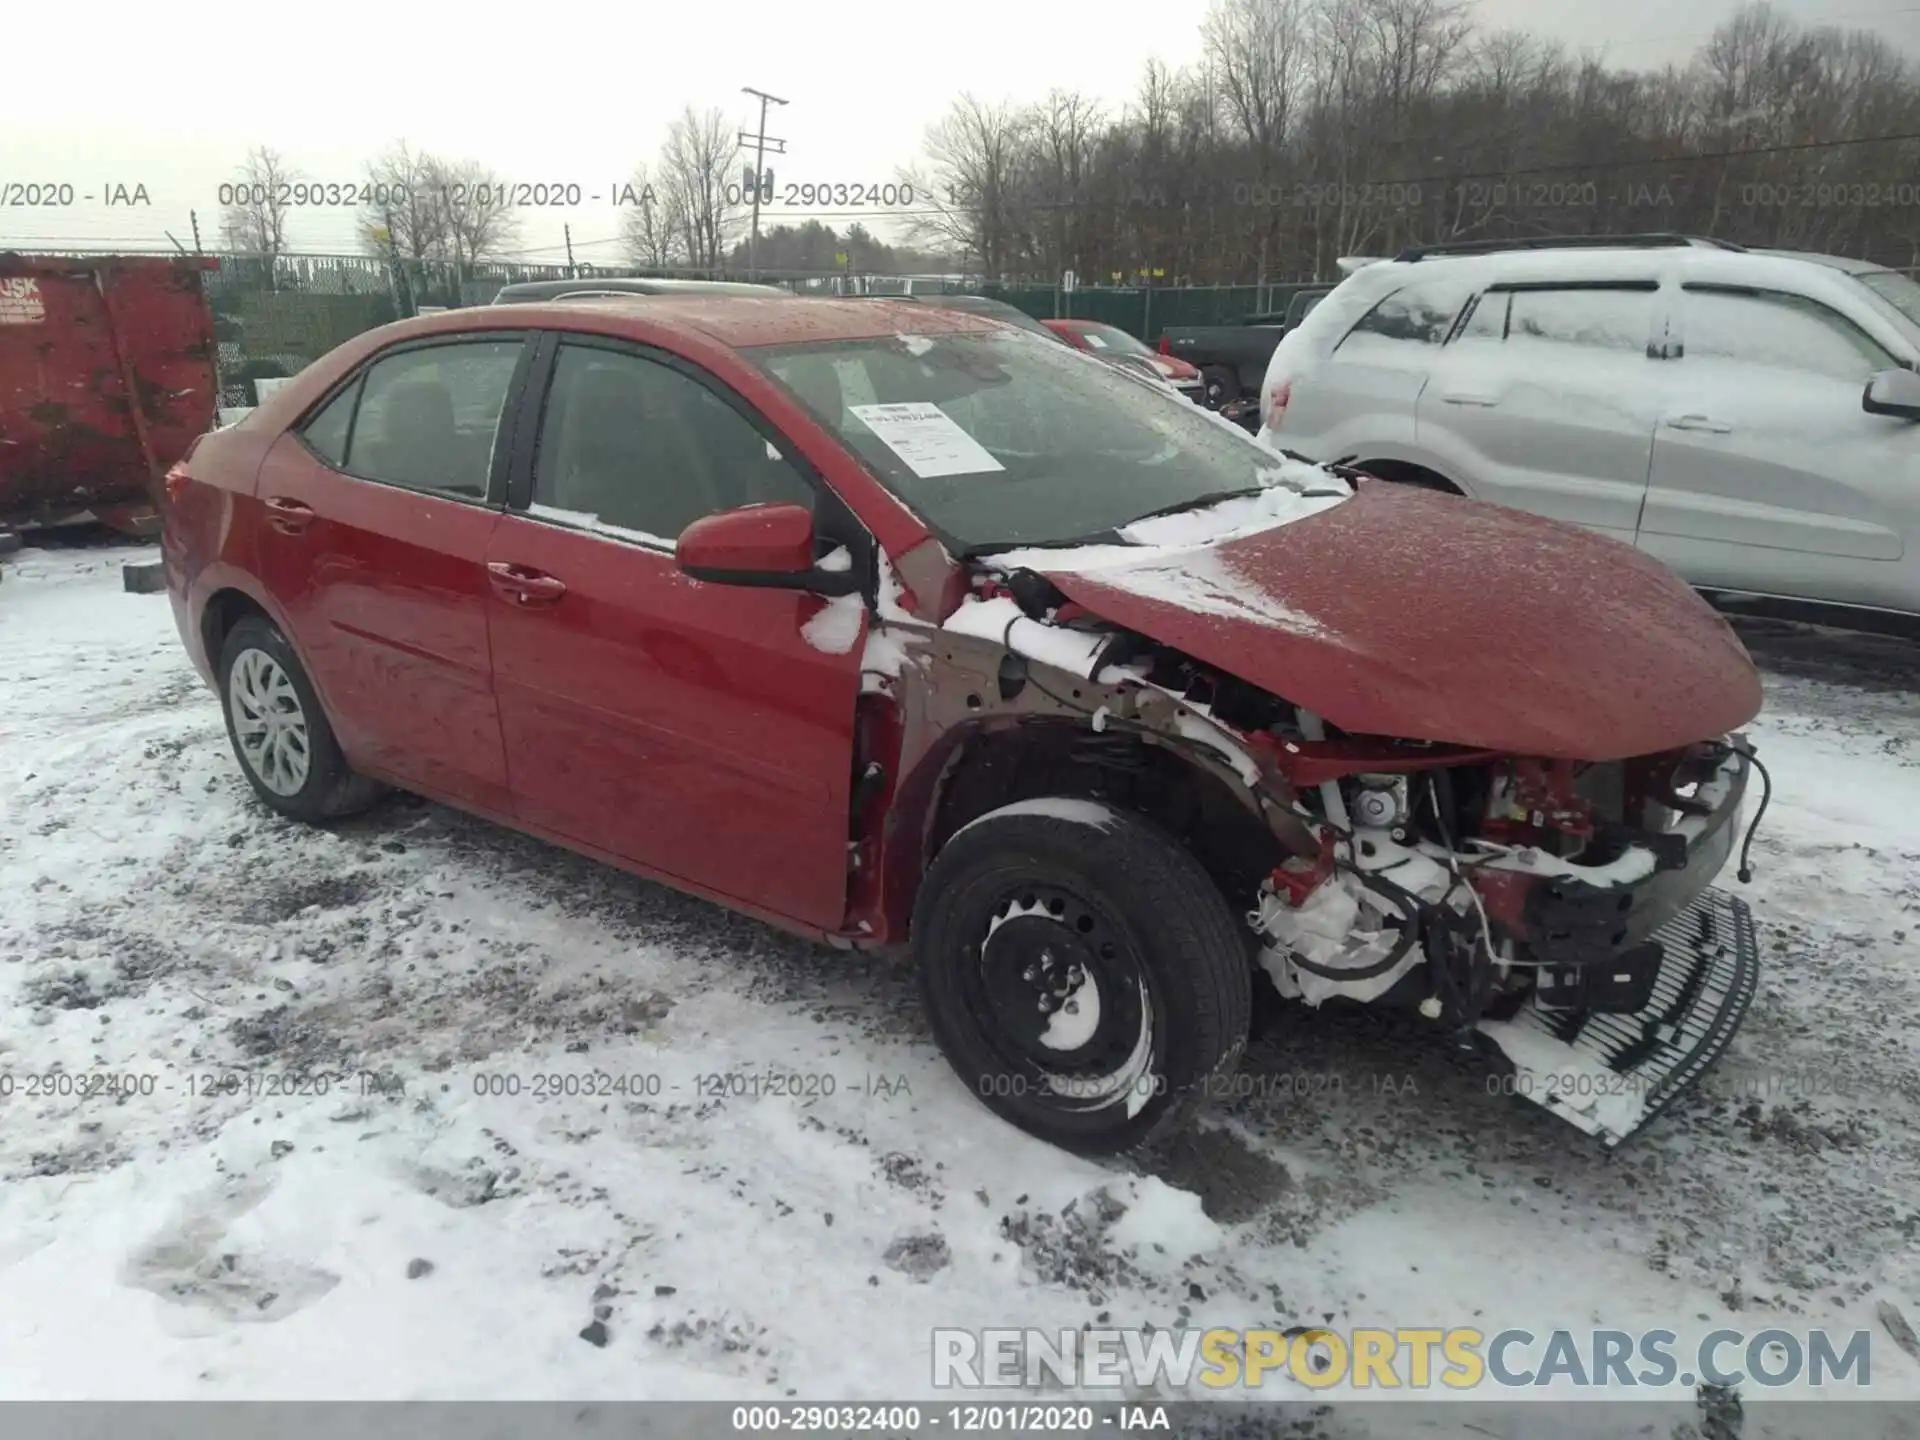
1468 397
523 586
1699 422
289 517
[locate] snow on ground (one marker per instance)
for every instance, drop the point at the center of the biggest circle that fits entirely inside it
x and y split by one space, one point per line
221 1230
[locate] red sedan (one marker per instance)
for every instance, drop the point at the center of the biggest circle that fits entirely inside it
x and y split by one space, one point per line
1117 347
890 624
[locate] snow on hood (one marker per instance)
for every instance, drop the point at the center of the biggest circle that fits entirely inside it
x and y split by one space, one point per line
1428 617
1171 558
1292 490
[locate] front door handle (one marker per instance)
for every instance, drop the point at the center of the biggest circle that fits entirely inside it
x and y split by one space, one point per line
523 586
1699 422
289 517
1469 397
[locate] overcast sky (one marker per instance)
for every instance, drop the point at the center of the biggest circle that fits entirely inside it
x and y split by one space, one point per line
147 95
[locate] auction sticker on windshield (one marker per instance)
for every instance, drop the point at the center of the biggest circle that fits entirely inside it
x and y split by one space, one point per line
926 439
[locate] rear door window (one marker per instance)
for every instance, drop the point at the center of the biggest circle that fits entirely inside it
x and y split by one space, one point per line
326 433
424 419
1595 317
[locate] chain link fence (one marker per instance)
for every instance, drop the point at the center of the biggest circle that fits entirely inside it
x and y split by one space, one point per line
274 317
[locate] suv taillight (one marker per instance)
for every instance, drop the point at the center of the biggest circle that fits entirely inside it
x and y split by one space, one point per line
1277 404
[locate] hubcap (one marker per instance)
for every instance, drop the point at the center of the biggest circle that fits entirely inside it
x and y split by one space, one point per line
1065 1001
268 720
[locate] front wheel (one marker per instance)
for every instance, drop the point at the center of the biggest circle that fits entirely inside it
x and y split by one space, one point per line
1082 973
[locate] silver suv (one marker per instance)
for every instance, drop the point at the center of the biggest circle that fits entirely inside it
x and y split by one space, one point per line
1747 416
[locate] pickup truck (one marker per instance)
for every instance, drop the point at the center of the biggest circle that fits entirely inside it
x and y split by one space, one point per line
1232 359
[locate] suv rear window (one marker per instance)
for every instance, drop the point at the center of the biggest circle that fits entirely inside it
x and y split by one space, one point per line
1413 317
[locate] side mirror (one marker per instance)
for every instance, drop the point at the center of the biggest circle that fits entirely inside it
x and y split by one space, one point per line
1893 392
765 545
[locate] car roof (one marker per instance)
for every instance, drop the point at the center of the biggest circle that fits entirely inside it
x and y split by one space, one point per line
971 304
529 290
1601 263
1835 262
746 322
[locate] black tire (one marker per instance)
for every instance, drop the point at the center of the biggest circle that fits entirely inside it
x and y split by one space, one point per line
328 789
1218 385
1134 911
1413 479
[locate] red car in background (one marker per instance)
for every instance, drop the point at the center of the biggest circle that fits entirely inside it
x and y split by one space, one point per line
1116 346
893 624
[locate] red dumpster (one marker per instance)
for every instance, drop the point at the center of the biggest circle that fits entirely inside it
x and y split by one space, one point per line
106 376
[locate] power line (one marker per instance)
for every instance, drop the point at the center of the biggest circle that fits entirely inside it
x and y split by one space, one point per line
761 141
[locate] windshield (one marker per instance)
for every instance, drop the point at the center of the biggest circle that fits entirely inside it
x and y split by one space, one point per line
1899 291
993 310
1107 340
1003 439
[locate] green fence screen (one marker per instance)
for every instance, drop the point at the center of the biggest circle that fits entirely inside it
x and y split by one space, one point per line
1144 312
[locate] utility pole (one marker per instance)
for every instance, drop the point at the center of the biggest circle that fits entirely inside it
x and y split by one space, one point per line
194 216
567 230
762 142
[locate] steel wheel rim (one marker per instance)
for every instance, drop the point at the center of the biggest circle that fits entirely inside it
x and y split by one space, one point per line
269 723
1103 1058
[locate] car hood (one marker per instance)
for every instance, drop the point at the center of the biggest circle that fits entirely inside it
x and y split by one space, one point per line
1425 616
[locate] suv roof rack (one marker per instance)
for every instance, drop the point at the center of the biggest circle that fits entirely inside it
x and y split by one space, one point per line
1653 240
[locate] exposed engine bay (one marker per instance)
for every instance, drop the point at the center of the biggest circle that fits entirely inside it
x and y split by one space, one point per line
1558 908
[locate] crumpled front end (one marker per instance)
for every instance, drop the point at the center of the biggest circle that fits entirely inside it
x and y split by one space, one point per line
1556 907
1563 911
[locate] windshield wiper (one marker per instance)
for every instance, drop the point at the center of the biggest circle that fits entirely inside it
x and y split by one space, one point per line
1197 503
1113 534
995 547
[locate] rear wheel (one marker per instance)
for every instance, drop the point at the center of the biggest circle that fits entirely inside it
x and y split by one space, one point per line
1401 473
1218 385
279 732
1082 973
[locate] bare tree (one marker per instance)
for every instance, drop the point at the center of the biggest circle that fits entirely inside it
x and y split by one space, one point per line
697 166
648 230
977 152
255 223
406 217
475 223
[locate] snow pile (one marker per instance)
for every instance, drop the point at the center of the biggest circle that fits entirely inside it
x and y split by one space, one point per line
894 637
1058 807
1207 582
1002 621
836 624
585 520
216 1239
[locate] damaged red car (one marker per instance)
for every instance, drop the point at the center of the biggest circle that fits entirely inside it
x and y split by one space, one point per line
894 625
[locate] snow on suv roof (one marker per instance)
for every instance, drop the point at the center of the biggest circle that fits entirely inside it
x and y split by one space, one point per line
1836 262
1824 277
